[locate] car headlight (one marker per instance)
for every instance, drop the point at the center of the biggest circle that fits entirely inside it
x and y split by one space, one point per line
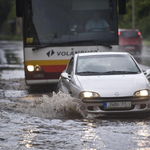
88 95
142 93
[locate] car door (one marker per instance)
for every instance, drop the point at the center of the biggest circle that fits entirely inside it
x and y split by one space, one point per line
66 82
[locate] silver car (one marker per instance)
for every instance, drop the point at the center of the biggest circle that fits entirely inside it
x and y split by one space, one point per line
106 82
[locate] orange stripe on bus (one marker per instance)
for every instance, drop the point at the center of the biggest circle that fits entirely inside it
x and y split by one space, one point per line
46 62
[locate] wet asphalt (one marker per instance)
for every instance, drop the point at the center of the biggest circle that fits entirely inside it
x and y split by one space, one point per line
37 118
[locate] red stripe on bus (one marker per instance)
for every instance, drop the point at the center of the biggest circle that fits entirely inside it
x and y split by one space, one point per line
55 68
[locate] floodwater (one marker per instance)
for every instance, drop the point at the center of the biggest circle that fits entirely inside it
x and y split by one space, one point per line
31 118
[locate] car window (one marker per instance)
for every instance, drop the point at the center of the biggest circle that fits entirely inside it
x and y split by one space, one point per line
70 66
129 34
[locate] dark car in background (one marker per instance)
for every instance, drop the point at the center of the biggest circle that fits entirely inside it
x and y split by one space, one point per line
130 40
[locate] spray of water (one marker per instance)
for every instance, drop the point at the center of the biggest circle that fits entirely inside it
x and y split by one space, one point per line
60 105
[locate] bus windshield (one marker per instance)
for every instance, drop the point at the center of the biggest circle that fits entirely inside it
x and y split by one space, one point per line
70 22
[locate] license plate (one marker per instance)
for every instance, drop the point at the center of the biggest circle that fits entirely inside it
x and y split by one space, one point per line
117 105
130 47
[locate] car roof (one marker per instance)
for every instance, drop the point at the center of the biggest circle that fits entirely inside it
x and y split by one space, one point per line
102 53
128 30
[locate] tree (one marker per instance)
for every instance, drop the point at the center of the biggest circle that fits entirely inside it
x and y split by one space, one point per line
5 7
142 17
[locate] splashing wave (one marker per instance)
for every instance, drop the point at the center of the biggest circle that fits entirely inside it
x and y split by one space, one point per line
60 105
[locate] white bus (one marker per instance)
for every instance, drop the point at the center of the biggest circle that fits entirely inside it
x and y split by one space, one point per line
54 30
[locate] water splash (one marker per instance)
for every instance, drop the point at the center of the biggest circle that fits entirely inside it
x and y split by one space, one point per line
60 105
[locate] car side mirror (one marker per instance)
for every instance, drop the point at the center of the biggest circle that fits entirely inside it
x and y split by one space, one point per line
64 75
147 73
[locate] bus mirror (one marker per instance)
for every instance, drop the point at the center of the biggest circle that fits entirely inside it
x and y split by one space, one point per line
19 8
122 7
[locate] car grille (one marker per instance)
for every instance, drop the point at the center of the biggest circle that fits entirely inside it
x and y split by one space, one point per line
102 108
115 99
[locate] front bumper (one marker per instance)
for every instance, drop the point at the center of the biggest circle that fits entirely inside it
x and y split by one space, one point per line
96 105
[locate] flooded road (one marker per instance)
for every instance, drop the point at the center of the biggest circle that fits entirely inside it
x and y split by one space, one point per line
35 119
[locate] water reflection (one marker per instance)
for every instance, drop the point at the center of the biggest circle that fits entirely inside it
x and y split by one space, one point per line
143 136
91 140
28 138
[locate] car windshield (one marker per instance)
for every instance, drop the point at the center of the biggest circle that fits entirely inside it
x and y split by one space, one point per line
129 34
106 65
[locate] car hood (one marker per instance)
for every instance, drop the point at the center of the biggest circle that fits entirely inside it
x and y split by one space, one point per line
108 85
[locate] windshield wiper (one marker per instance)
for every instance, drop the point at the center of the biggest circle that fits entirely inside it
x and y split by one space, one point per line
120 72
50 44
89 72
97 42
87 42
44 46
56 44
108 72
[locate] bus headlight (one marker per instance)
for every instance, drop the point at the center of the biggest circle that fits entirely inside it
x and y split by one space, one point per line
37 68
30 68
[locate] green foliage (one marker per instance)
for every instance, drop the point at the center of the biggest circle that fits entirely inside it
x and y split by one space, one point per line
5 7
8 13
12 13
142 17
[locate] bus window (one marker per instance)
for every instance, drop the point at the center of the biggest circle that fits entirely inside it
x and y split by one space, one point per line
64 22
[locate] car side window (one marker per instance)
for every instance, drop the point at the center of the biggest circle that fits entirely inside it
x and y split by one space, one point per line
70 66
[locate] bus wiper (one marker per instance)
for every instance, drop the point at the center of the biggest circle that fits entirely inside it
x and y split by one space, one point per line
70 43
88 42
50 44
44 46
